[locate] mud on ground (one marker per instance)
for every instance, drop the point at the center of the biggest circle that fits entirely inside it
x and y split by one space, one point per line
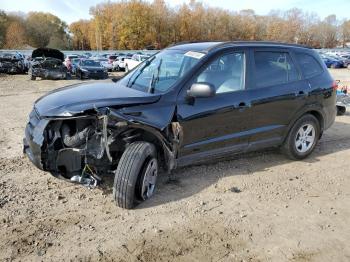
256 207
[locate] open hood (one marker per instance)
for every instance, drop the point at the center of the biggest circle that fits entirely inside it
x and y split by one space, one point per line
75 99
48 52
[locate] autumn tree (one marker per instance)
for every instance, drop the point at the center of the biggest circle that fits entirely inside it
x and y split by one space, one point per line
3 27
15 35
80 31
345 32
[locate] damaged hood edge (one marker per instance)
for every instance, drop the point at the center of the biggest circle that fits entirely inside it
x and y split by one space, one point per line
77 99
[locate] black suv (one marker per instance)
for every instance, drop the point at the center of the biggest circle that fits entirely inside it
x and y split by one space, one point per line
185 104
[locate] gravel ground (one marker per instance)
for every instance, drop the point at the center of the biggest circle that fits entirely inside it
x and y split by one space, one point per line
254 207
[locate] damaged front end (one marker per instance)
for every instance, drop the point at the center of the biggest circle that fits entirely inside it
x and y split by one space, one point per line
84 148
11 65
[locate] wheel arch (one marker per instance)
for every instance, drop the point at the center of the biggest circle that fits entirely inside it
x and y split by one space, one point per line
316 112
161 141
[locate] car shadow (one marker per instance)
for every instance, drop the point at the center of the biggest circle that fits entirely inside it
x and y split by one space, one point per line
188 181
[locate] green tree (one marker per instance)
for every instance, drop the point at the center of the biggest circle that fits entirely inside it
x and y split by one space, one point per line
41 27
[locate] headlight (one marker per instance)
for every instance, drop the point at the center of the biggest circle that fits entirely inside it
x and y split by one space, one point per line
84 70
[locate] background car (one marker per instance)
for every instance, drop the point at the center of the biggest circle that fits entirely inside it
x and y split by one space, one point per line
68 61
343 102
119 64
75 62
332 62
134 61
105 63
344 59
112 58
12 63
47 63
89 68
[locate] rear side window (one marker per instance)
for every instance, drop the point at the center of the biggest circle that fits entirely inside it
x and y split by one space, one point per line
309 65
274 68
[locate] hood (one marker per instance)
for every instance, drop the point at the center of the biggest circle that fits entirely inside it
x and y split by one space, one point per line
75 99
48 52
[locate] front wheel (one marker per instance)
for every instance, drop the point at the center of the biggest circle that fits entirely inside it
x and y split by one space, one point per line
302 138
136 175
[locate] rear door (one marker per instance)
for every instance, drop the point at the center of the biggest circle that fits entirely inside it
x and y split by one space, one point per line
277 94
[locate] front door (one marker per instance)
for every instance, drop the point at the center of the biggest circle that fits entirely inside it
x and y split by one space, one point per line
217 123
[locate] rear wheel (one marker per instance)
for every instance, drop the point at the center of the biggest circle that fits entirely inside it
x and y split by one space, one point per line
136 175
302 138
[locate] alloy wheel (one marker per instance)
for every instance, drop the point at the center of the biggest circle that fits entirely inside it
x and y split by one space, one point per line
305 138
149 179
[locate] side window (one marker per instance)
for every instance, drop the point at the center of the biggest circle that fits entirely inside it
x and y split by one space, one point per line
274 68
226 73
309 65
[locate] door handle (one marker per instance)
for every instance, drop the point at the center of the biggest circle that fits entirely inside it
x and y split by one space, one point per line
243 105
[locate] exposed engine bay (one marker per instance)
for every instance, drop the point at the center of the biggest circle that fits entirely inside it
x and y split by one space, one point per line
83 149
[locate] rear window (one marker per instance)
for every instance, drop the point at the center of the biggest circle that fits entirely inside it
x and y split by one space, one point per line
309 65
113 57
274 68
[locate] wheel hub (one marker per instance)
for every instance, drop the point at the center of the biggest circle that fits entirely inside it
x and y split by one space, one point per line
305 138
149 179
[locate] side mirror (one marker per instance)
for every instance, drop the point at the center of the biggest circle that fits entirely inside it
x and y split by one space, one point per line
199 90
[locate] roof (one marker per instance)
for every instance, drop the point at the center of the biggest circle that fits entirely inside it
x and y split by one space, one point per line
210 46
194 46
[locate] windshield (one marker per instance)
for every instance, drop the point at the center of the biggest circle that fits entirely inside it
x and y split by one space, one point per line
90 63
161 71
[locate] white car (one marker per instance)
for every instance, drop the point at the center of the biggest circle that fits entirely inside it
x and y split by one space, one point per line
105 63
119 64
134 61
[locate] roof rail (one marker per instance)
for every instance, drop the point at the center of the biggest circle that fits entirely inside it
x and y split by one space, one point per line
273 43
193 42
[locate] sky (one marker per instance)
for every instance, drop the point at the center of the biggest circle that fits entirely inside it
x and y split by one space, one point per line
73 10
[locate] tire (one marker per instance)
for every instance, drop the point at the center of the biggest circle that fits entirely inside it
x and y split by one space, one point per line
341 110
139 159
292 147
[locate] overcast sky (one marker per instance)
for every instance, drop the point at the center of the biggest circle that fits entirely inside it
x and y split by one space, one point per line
73 10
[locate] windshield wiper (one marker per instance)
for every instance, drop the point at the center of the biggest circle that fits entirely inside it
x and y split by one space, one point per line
140 72
155 78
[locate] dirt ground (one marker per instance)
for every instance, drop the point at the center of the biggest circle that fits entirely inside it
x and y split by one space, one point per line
255 207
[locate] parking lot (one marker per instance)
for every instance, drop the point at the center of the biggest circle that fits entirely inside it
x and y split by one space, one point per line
255 207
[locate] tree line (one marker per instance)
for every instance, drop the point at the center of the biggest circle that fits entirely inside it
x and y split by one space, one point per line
137 24
35 29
